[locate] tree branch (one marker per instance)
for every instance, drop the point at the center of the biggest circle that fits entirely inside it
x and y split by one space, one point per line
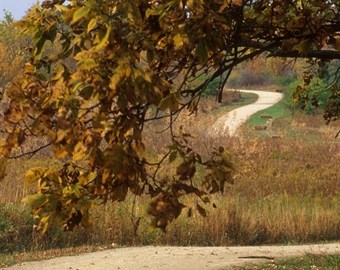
320 54
276 51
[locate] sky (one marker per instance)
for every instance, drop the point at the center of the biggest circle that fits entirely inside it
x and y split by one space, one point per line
18 8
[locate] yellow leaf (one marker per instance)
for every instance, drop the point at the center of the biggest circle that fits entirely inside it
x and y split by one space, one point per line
78 153
80 13
115 79
61 8
29 68
178 41
92 24
44 221
60 152
104 40
58 72
105 175
138 147
61 135
34 174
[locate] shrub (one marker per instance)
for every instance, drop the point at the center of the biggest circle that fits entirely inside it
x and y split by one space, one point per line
314 97
16 227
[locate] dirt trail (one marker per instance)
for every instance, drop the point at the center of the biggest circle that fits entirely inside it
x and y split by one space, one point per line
235 118
186 258
175 258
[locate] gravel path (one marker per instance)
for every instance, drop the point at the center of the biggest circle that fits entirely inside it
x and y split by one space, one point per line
175 258
235 118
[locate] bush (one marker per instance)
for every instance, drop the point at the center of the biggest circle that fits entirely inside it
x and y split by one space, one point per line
18 232
212 88
16 227
285 80
314 97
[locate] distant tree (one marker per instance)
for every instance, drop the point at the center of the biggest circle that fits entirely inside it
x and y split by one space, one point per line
113 60
11 50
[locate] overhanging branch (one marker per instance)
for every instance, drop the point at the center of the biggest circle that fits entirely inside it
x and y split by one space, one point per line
276 51
320 54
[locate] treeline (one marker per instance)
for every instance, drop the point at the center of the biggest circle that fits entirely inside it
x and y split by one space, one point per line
295 78
13 46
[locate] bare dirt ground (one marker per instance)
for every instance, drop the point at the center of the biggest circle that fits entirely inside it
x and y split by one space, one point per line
235 118
175 258
187 258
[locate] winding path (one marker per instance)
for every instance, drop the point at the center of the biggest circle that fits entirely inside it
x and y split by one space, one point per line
235 118
175 258
187 258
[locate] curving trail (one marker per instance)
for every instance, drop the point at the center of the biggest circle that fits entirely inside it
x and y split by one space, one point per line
187 258
235 118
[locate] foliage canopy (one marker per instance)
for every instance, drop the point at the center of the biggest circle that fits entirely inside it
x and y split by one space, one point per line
98 66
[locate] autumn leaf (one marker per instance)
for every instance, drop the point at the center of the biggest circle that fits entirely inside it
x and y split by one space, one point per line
80 13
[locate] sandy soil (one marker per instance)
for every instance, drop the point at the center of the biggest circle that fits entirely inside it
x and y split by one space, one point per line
175 258
235 118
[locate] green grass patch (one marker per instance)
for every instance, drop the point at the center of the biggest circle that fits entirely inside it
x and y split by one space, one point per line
277 111
7 260
328 262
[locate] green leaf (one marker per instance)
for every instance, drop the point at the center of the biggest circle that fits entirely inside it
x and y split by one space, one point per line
87 92
80 13
35 200
104 40
58 72
172 156
153 12
201 51
39 47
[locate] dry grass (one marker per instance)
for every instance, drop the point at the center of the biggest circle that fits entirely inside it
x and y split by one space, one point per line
286 191
11 259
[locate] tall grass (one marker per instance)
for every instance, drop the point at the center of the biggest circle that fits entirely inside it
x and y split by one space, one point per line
286 190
